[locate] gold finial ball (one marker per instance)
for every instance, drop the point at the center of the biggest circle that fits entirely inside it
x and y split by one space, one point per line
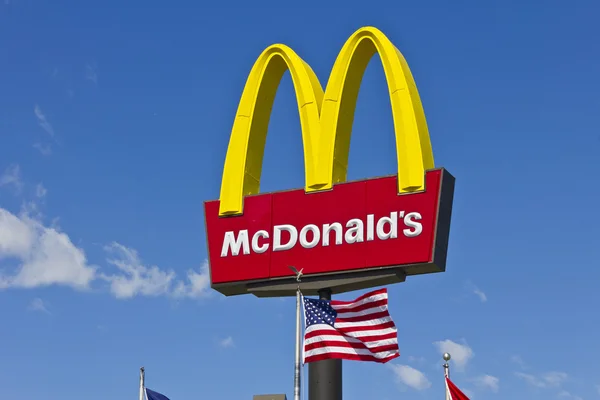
446 356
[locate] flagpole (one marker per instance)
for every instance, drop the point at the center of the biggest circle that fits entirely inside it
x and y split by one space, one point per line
298 361
142 383
446 373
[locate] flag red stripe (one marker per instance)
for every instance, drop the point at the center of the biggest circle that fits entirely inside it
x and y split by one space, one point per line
364 339
362 307
356 329
362 328
354 357
364 296
362 318
353 345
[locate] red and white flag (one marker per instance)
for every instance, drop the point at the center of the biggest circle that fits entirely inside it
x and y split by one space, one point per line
454 392
360 330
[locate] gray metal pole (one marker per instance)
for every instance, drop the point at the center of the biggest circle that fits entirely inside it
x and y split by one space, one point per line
325 377
447 373
297 363
142 383
297 360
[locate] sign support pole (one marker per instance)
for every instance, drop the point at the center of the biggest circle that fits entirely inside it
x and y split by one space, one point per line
325 377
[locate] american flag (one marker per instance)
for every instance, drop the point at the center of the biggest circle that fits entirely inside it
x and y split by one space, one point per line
360 330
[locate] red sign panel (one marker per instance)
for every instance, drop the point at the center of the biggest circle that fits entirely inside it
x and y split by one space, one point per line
356 226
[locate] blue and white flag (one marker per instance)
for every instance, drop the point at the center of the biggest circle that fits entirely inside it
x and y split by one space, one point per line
152 395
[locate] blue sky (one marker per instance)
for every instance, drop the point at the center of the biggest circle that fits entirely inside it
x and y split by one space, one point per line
114 121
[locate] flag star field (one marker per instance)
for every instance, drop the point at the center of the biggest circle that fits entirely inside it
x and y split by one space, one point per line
319 312
115 120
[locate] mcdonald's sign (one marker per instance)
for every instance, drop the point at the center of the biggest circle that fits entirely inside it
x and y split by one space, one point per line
344 235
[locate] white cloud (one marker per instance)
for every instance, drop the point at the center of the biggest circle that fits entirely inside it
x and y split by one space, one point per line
460 353
90 73
555 378
44 256
45 150
135 278
480 294
567 395
519 361
549 379
598 388
488 382
226 342
418 360
198 284
33 255
475 290
531 379
410 376
40 190
38 304
12 177
42 121
32 210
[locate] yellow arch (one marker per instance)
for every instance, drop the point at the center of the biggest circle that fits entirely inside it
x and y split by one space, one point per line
243 162
413 146
325 133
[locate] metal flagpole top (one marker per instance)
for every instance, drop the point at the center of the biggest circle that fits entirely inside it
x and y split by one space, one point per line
446 357
142 383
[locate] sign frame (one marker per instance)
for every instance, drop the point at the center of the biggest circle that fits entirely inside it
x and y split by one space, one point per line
326 123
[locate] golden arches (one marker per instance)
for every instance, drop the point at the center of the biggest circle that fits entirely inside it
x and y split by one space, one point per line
243 162
413 146
326 126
